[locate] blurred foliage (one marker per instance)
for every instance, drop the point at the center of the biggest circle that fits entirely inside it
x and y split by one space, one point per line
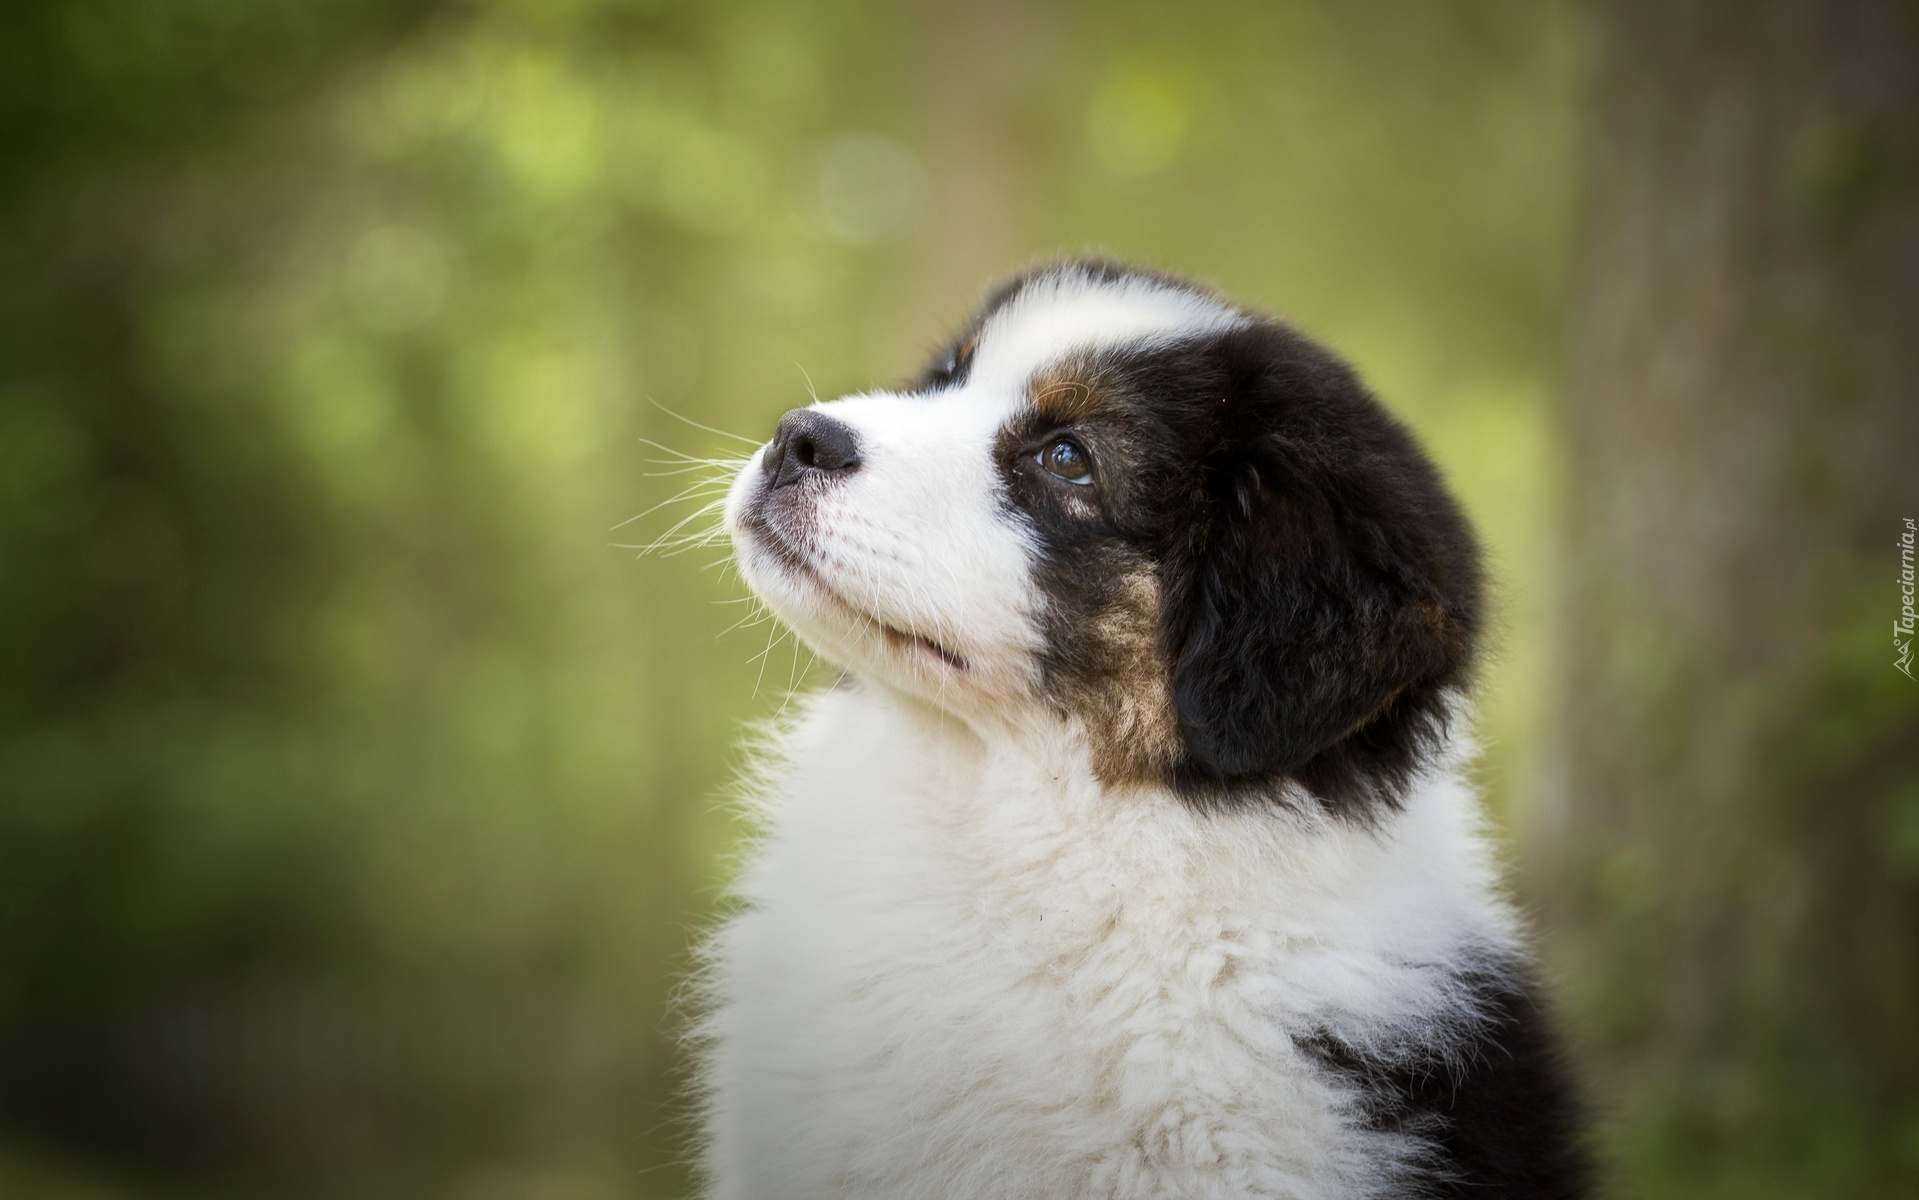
358 796
1728 867
1764 1061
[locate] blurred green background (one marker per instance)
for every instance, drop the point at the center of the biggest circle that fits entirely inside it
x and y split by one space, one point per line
361 790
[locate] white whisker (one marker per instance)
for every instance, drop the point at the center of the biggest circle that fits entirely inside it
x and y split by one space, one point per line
695 424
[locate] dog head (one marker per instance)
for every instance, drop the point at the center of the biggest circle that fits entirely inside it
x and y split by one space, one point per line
1119 501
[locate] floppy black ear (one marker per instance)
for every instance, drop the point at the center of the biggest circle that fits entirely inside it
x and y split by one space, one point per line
1322 592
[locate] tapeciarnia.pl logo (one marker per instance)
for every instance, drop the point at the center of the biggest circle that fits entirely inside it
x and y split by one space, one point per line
1902 627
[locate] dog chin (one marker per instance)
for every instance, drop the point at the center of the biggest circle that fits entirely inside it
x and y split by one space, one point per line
848 636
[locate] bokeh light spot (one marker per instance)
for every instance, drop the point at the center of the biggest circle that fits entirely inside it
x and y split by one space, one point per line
867 188
396 278
1137 122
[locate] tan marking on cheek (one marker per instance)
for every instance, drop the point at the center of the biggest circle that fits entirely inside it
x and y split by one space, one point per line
1126 702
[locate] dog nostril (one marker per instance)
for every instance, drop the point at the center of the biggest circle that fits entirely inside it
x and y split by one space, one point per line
810 443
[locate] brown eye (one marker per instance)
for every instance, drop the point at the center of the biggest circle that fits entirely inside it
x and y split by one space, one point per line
1068 460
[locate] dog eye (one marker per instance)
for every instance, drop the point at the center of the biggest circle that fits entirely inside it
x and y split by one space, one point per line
1068 460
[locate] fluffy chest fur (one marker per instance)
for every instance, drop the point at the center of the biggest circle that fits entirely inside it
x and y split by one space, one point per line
966 969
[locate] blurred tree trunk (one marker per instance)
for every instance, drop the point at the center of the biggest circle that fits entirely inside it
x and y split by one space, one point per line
1733 833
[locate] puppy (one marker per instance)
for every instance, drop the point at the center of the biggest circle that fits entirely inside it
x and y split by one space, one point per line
1133 856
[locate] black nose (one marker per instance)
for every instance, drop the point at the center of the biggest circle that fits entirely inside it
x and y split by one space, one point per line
809 443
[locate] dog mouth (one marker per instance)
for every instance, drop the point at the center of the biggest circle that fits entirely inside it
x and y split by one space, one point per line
914 643
904 642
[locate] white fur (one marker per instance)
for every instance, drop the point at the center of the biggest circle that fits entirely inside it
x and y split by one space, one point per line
1068 312
962 968
913 542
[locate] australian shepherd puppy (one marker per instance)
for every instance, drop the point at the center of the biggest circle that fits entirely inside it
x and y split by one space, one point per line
1133 856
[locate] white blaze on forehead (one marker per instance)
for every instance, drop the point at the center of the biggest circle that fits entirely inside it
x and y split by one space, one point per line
1072 312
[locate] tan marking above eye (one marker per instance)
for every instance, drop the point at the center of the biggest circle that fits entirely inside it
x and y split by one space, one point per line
1064 395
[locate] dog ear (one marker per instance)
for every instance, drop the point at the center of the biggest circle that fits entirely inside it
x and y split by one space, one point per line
1323 591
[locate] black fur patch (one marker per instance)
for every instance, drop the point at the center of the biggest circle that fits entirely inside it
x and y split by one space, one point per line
1497 1109
1318 587
1322 587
